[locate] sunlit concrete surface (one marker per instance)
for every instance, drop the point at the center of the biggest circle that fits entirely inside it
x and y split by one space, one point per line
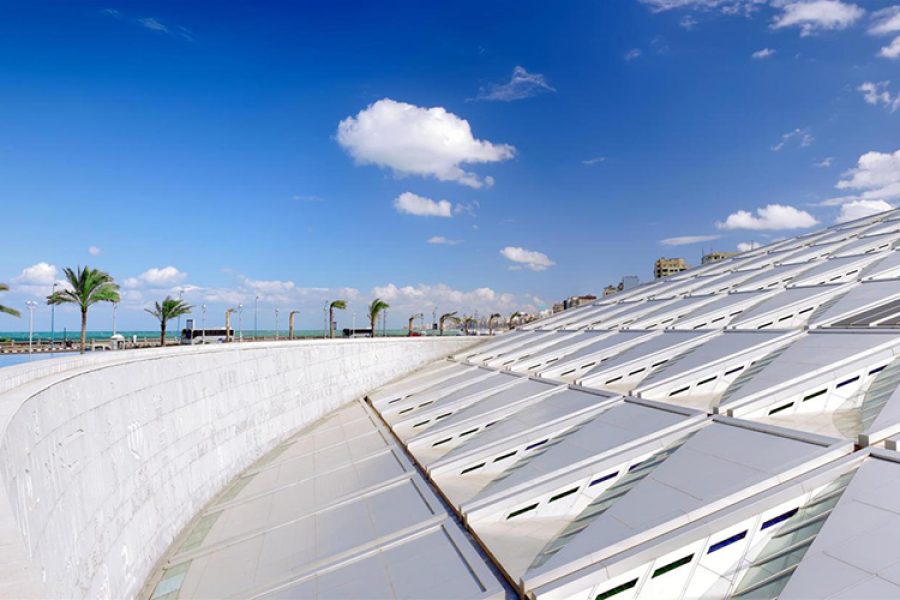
106 458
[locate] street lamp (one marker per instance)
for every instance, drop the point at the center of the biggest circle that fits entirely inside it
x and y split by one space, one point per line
276 324
240 312
115 306
31 305
325 321
180 297
256 318
53 319
203 324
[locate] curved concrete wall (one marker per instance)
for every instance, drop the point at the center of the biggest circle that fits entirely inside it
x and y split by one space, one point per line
105 458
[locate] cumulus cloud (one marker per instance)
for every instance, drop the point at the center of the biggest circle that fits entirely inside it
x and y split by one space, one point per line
39 274
813 16
764 53
803 137
879 93
857 209
685 240
528 259
747 246
157 277
824 163
94 251
439 240
411 140
771 217
420 206
875 177
423 297
521 85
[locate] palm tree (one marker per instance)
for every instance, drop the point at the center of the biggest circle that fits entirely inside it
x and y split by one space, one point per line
412 319
491 320
451 316
337 304
375 309
170 308
6 309
513 317
87 286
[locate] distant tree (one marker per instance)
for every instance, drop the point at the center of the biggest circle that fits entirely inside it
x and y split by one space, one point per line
491 320
450 316
87 287
513 317
170 308
337 304
376 308
5 309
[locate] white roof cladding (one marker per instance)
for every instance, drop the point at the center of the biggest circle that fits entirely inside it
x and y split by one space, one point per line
668 441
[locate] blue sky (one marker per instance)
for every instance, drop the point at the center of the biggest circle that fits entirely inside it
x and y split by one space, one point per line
467 155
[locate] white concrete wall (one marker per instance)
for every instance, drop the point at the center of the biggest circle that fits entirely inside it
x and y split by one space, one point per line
105 458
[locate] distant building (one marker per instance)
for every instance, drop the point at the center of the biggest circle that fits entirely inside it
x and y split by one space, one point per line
610 290
574 301
558 307
629 282
668 266
716 256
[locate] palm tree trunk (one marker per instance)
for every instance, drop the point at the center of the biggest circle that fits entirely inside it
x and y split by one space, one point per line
162 334
83 330
331 322
372 324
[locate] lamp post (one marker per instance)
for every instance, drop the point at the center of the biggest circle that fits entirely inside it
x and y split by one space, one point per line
325 321
115 306
291 323
276 324
180 297
240 312
31 305
53 319
256 317
203 324
384 324
433 319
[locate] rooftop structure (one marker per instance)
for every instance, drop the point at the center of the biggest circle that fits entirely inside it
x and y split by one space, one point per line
664 267
728 431
725 431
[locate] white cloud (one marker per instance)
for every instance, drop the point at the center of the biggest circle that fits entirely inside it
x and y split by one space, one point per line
593 161
439 240
424 298
729 7
812 16
747 246
879 93
632 54
892 50
412 204
521 85
857 209
39 274
157 277
773 216
153 24
885 21
94 251
824 163
687 22
875 177
803 136
411 140
764 53
529 259
684 240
